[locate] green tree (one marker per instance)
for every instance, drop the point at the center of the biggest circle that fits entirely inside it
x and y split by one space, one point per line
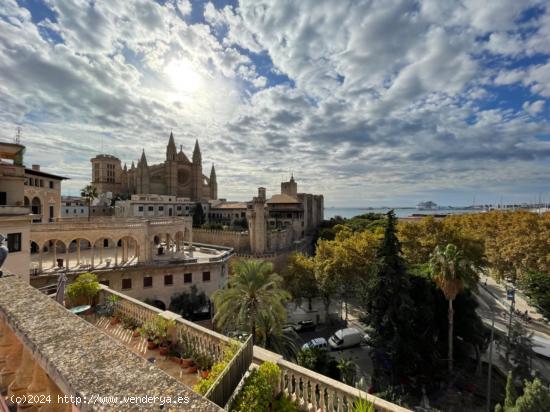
521 350
300 278
253 291
511 394
188 303
348 371
89 192
198 216
535 398
452 273
273 337
388 307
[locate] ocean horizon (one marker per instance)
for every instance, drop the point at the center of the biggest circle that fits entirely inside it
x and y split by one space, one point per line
349 212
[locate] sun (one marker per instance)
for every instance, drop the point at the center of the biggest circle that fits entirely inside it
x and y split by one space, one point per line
183 76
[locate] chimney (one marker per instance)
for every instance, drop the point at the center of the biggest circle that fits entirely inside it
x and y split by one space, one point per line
36 167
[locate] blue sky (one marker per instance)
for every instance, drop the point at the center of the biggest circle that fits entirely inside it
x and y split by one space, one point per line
368 102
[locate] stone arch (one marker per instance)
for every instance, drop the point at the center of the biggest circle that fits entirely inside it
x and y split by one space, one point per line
128 249
52 255
36 208
81 249
159 304
103 251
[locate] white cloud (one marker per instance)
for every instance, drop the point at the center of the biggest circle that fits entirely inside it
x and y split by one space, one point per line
534 107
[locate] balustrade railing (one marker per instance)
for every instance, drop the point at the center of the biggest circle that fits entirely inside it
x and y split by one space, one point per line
315 392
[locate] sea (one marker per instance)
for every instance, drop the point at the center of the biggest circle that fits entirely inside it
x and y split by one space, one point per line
349 212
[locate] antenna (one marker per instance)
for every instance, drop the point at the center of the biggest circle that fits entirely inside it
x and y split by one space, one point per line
18 135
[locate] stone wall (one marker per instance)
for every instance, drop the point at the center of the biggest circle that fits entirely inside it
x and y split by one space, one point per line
239 241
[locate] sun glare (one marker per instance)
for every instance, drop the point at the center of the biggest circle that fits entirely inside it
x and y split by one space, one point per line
183 76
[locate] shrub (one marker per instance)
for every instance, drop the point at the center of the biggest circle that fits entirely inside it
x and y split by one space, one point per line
257 394
84 289
204 384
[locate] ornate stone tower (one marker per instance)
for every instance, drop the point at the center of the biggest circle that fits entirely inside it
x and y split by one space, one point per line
213 184
290 188
196 174
257 227
142 184
171 167
106 173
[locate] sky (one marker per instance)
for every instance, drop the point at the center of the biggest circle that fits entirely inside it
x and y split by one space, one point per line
370 103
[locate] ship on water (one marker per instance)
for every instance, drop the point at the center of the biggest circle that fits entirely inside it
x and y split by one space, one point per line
429 205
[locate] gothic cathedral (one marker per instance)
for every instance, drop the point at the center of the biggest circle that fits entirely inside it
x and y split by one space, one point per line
177 176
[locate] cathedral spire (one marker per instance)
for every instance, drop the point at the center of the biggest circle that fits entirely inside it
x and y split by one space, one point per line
213 172
171 150
197 157
143 160
213 183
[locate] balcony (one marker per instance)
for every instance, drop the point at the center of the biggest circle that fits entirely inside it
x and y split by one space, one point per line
45 349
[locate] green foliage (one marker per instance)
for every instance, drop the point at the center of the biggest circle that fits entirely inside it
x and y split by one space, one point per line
388 305
521 350
204 384
157 329
188 303
348 371
84 289
257 393
511 394
212 226
535 398
319 361
254 292
362 405
284 404
537 287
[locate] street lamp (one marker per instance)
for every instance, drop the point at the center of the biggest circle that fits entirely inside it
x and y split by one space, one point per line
510 295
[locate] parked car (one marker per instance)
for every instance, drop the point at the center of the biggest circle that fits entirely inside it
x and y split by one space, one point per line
319 343
346 338
304 326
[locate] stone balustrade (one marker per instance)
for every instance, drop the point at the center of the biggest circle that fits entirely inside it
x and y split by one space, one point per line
45 350
315 392
201 339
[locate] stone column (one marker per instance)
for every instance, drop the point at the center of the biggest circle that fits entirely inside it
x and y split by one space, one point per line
92 252
67 251
78 252
40 258
54 253
101 247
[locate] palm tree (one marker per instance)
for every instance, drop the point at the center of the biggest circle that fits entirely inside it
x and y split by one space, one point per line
272 336
451 273
90 193
253 292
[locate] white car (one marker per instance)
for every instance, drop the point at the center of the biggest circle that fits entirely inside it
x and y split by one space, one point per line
319 343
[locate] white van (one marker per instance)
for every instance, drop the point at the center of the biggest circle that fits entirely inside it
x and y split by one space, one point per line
319 343
346 338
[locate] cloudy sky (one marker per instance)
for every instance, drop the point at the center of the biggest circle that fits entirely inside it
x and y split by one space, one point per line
368 102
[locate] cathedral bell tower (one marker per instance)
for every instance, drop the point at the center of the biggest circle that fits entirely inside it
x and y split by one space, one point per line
171 167
213 184
196 174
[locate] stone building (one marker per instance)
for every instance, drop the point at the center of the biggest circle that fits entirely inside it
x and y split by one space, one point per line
176 176
148 206
42 194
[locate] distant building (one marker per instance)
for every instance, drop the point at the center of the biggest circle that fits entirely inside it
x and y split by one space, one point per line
148 206
74 207
43 194
177 176
227 213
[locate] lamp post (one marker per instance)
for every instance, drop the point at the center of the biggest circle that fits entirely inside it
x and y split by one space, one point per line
510 295
490 359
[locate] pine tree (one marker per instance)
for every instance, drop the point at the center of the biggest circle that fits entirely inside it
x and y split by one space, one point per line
198 216
389 306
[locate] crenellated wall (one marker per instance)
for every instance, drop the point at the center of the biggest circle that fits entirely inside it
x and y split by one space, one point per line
239 241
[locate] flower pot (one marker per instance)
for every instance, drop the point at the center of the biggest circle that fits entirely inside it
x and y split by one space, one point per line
114 321
136 334
151 344
164 349
176 359
204 373
191 369
186 363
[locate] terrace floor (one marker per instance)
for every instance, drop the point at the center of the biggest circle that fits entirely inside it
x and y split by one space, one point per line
139 346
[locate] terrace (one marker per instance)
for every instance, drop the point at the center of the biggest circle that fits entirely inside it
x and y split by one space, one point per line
66 354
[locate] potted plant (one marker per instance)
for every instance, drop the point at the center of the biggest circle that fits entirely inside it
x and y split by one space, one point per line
148 331
163 327
83 290
204 363
112 301
187 351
